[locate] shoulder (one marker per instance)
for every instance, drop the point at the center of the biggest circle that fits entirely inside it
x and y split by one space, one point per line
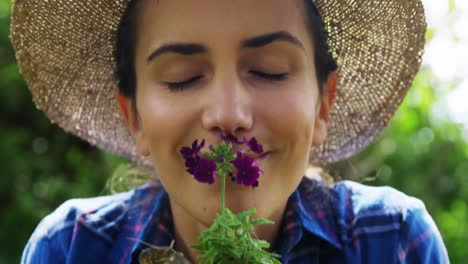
67 214
365 200
389 219
95 221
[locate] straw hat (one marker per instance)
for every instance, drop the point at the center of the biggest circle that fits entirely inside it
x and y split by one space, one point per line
64 49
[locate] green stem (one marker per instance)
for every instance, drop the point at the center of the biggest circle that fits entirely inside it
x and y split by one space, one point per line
223 187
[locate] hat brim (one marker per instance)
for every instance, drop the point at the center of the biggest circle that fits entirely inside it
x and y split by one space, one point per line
65 52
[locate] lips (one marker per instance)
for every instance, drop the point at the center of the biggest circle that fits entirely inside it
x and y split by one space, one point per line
259 157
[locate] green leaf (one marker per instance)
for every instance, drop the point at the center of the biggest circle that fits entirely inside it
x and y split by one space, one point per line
261 221
230 240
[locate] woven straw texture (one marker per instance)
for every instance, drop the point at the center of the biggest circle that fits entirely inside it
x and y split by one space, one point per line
64 49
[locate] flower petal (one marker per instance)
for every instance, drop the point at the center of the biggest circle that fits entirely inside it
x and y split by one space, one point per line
254 145
205 171
186 152
247 172
194 144
230 138
197 149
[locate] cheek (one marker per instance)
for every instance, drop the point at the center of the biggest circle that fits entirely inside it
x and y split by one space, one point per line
164 122
291 114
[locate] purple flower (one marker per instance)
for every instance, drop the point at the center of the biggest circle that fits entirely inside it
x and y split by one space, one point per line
230 138
194 150
191 155
191 164
205 171
247 172
253 145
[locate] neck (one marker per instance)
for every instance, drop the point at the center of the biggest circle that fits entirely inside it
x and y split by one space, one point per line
188 228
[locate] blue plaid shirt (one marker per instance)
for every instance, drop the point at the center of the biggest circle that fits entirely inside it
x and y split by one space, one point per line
344 223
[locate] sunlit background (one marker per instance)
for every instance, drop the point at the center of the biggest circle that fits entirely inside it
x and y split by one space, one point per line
423 152
447 56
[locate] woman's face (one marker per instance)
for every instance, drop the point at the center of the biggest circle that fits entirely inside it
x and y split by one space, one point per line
238 67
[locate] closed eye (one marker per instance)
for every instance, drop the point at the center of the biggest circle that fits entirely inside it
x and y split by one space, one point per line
270 76
178 86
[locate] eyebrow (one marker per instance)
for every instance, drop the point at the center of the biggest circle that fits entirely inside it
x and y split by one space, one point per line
255 42
179 48
263 40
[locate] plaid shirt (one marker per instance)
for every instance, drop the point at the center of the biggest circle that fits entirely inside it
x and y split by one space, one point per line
344 223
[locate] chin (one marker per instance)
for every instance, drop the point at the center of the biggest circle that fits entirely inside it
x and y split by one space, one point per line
241 199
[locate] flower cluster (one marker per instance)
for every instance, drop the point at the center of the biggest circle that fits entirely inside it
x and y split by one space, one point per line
202 168
240 167
231 238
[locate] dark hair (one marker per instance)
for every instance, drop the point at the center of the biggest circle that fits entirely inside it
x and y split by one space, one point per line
126 45
325 63
125 51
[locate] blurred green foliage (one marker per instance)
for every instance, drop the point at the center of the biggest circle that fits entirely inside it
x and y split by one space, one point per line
425 158
41 166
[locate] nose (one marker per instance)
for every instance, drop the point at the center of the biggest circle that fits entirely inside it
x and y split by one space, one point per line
228 109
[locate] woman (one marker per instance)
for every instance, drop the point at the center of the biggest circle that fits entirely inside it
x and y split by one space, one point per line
186 70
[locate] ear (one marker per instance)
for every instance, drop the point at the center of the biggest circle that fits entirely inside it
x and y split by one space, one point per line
132 121
325 103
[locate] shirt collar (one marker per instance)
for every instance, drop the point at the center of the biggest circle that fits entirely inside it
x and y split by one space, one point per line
158 229
148 222
309 212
